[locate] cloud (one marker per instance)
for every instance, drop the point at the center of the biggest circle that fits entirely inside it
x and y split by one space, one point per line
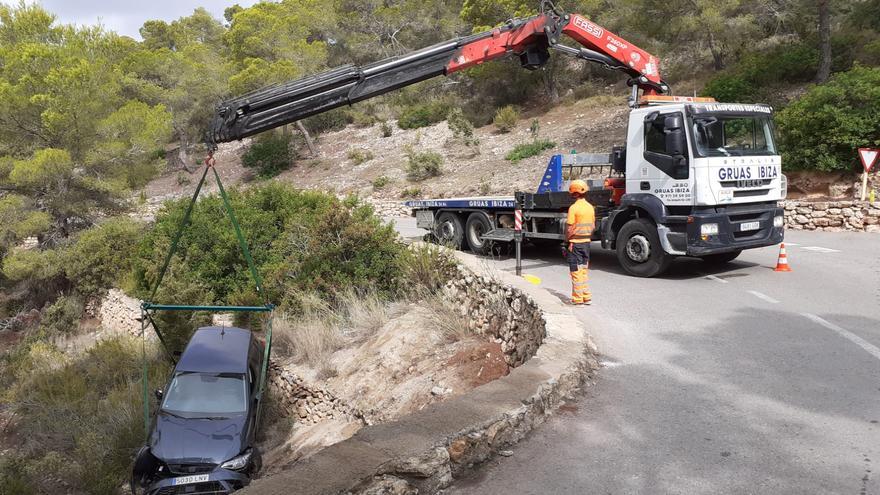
127 16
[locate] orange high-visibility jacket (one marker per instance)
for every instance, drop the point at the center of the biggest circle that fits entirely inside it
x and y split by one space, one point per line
581 219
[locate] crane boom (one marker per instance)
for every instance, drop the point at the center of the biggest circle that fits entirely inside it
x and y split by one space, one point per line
530 39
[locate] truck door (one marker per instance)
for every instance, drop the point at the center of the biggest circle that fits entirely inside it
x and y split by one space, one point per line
664 168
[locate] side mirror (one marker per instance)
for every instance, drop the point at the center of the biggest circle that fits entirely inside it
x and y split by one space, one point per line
159 393
675 139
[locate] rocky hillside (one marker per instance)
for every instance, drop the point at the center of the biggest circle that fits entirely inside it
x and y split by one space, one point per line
593 124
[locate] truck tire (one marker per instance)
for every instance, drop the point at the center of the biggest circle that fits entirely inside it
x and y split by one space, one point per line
639 250
720 259
477 224
448 230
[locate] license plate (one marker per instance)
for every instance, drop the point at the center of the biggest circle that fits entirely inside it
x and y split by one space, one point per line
188 480
749 226
749 183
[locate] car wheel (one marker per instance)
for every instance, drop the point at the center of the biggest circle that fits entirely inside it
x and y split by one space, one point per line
639 250
720 259
448 230
478 223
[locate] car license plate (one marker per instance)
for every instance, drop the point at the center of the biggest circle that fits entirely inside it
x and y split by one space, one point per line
749 183
749 226
187 480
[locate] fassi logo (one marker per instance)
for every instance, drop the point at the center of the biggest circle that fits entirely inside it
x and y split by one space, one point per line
589 27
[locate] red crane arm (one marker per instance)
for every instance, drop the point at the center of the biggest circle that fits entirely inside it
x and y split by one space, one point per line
542 30
530 39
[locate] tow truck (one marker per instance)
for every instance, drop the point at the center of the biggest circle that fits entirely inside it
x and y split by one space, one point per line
694 178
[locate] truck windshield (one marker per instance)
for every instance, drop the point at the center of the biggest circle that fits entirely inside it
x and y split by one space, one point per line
717 135
206 395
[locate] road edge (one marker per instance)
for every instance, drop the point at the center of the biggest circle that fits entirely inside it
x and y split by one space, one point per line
424 452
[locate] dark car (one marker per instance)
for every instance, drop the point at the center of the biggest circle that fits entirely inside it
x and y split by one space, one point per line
202 440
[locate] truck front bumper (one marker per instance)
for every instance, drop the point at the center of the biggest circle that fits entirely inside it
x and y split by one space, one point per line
742 229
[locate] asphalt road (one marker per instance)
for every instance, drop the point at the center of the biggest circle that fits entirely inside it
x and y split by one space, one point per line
729 380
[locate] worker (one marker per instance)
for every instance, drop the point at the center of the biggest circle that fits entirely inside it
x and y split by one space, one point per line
578 233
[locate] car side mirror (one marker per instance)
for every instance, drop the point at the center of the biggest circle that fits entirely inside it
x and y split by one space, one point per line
675 139
159 393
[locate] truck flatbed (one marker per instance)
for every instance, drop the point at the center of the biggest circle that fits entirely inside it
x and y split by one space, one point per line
481 202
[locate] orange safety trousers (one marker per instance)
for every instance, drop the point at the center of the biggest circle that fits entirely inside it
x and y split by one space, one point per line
578 265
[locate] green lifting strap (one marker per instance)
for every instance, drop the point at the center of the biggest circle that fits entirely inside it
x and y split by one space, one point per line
148 308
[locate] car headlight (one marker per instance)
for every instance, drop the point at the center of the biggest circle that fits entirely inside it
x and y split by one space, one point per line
238 463
709 229
778 221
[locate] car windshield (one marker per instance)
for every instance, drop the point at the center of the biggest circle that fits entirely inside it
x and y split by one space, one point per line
717 135
208 395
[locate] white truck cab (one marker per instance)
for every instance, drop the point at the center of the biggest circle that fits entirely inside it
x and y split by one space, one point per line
707 174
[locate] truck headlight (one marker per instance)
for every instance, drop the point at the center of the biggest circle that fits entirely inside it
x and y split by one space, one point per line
778 221
238 463
709 229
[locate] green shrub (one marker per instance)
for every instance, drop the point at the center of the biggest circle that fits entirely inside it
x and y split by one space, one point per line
423 165
729 88
429 267
102 256
506 118
822 129
380 182
529 150
270 154
359 156
461 127
333 120
411 192
81 417
63 316
386 129
423 115
783 64
183 179
297 238
14 477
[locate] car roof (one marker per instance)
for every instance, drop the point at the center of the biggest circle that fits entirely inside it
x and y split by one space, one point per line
216 350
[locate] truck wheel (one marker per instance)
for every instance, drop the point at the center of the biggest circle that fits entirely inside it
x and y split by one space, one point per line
478 223
720 259
448 230
639 251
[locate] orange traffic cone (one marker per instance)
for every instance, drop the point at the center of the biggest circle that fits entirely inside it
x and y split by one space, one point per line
782 264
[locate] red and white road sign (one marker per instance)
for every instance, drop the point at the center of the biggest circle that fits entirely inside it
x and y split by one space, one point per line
869 157
517 220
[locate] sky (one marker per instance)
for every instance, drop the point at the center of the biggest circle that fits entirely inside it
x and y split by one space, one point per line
127 16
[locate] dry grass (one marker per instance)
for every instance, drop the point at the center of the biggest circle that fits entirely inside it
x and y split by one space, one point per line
320 329
448 316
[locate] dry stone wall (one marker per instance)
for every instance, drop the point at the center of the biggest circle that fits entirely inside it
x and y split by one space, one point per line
120 313
308 404
832 216
498 311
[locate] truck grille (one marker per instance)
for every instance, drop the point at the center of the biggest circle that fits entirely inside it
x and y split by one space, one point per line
750 192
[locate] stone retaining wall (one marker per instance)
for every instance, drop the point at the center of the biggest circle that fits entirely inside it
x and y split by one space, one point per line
307 403
388 208
120 313
499 311
832 216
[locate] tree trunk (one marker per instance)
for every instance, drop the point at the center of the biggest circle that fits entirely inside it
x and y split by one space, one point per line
717 55
182 155
824 71
307 137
